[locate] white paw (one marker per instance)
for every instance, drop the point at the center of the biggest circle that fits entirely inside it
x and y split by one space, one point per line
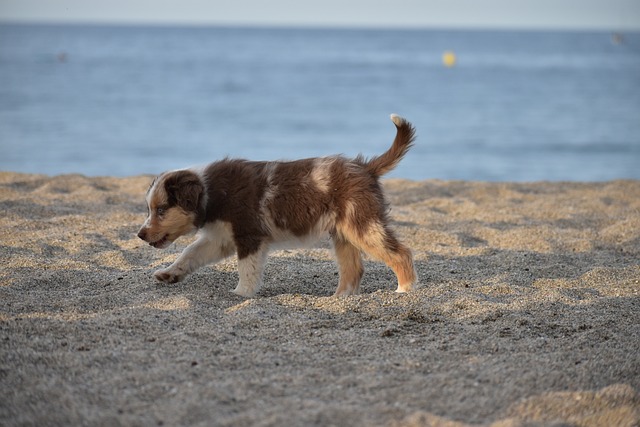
245 291
167 275
408 287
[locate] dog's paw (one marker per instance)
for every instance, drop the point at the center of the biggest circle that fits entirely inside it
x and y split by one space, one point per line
245 291
168 276
408 287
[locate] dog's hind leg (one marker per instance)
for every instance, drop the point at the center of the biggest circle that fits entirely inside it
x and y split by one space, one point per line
380 243
350 264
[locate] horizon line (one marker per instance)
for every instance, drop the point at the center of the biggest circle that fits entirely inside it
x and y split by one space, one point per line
315 26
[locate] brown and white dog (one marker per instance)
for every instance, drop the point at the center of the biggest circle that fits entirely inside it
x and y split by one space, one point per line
248 208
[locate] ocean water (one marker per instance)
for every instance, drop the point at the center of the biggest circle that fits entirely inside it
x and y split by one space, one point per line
517 106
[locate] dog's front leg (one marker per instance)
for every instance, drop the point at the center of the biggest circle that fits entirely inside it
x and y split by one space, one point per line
198 254
250 269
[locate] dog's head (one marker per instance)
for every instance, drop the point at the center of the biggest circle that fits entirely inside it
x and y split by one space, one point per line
174 203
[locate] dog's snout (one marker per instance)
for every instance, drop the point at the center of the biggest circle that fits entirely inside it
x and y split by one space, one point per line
142 234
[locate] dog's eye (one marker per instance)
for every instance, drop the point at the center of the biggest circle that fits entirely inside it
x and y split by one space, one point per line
160 211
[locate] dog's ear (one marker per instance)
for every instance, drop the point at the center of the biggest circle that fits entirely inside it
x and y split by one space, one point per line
184 189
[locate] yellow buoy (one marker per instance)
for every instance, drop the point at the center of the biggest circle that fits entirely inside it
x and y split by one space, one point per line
449 59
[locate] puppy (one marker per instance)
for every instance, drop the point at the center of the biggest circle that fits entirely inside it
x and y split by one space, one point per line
248 208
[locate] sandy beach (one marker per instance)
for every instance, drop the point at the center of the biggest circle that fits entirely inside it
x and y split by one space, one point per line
528 314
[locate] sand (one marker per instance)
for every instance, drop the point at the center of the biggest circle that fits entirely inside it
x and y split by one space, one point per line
528 314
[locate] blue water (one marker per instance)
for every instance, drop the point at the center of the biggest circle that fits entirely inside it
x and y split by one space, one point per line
518 106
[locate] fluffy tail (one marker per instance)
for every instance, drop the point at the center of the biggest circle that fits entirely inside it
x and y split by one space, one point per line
406 134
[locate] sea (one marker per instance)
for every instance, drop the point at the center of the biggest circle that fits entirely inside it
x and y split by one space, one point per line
487 105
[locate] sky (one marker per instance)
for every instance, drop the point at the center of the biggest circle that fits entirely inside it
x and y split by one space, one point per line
610 15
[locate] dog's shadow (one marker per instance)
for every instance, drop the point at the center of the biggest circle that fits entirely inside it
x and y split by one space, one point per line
303 274
319 277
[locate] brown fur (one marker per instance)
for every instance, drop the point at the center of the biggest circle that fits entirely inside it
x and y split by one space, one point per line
261 204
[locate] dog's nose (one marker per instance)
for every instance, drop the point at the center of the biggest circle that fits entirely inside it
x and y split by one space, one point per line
142 234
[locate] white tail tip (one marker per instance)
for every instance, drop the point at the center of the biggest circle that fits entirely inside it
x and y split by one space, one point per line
397 120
